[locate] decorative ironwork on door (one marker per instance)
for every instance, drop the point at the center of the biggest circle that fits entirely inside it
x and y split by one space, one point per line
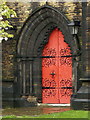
56 70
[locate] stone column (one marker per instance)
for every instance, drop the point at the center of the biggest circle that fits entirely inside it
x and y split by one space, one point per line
81 100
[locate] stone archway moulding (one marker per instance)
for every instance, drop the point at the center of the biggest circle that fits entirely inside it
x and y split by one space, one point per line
33 37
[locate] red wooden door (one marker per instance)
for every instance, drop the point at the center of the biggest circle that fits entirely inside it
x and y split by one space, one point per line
56 70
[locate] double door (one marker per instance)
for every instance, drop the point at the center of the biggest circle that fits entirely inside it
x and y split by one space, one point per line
56 70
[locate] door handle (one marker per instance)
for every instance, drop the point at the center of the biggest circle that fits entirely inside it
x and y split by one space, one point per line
52 74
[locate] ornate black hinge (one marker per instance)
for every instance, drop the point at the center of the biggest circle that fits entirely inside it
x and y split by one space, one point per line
32 57
66 87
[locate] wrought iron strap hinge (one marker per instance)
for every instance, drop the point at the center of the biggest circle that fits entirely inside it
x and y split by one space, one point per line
66 87
32 57
57 87
76 55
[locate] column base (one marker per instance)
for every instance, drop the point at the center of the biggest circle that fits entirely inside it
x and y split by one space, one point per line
80 104
81 99
19 102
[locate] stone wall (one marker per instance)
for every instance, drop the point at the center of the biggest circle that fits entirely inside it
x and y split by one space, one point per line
88 38
23 11
9 47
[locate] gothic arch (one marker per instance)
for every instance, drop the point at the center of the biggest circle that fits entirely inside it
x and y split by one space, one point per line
34 35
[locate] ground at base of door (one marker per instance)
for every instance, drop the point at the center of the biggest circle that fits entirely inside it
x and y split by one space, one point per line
33 111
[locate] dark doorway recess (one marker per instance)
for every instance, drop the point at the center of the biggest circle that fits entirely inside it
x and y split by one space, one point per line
33 37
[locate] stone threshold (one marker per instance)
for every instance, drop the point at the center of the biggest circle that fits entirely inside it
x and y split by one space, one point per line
61 105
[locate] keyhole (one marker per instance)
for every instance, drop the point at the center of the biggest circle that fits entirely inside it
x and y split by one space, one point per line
53 74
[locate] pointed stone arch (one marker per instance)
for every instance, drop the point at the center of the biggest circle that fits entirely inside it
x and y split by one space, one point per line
33 37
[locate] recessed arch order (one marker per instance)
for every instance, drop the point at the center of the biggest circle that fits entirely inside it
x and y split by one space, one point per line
33 37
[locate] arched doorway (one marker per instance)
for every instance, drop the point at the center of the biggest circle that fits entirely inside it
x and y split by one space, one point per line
56 70
33 39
